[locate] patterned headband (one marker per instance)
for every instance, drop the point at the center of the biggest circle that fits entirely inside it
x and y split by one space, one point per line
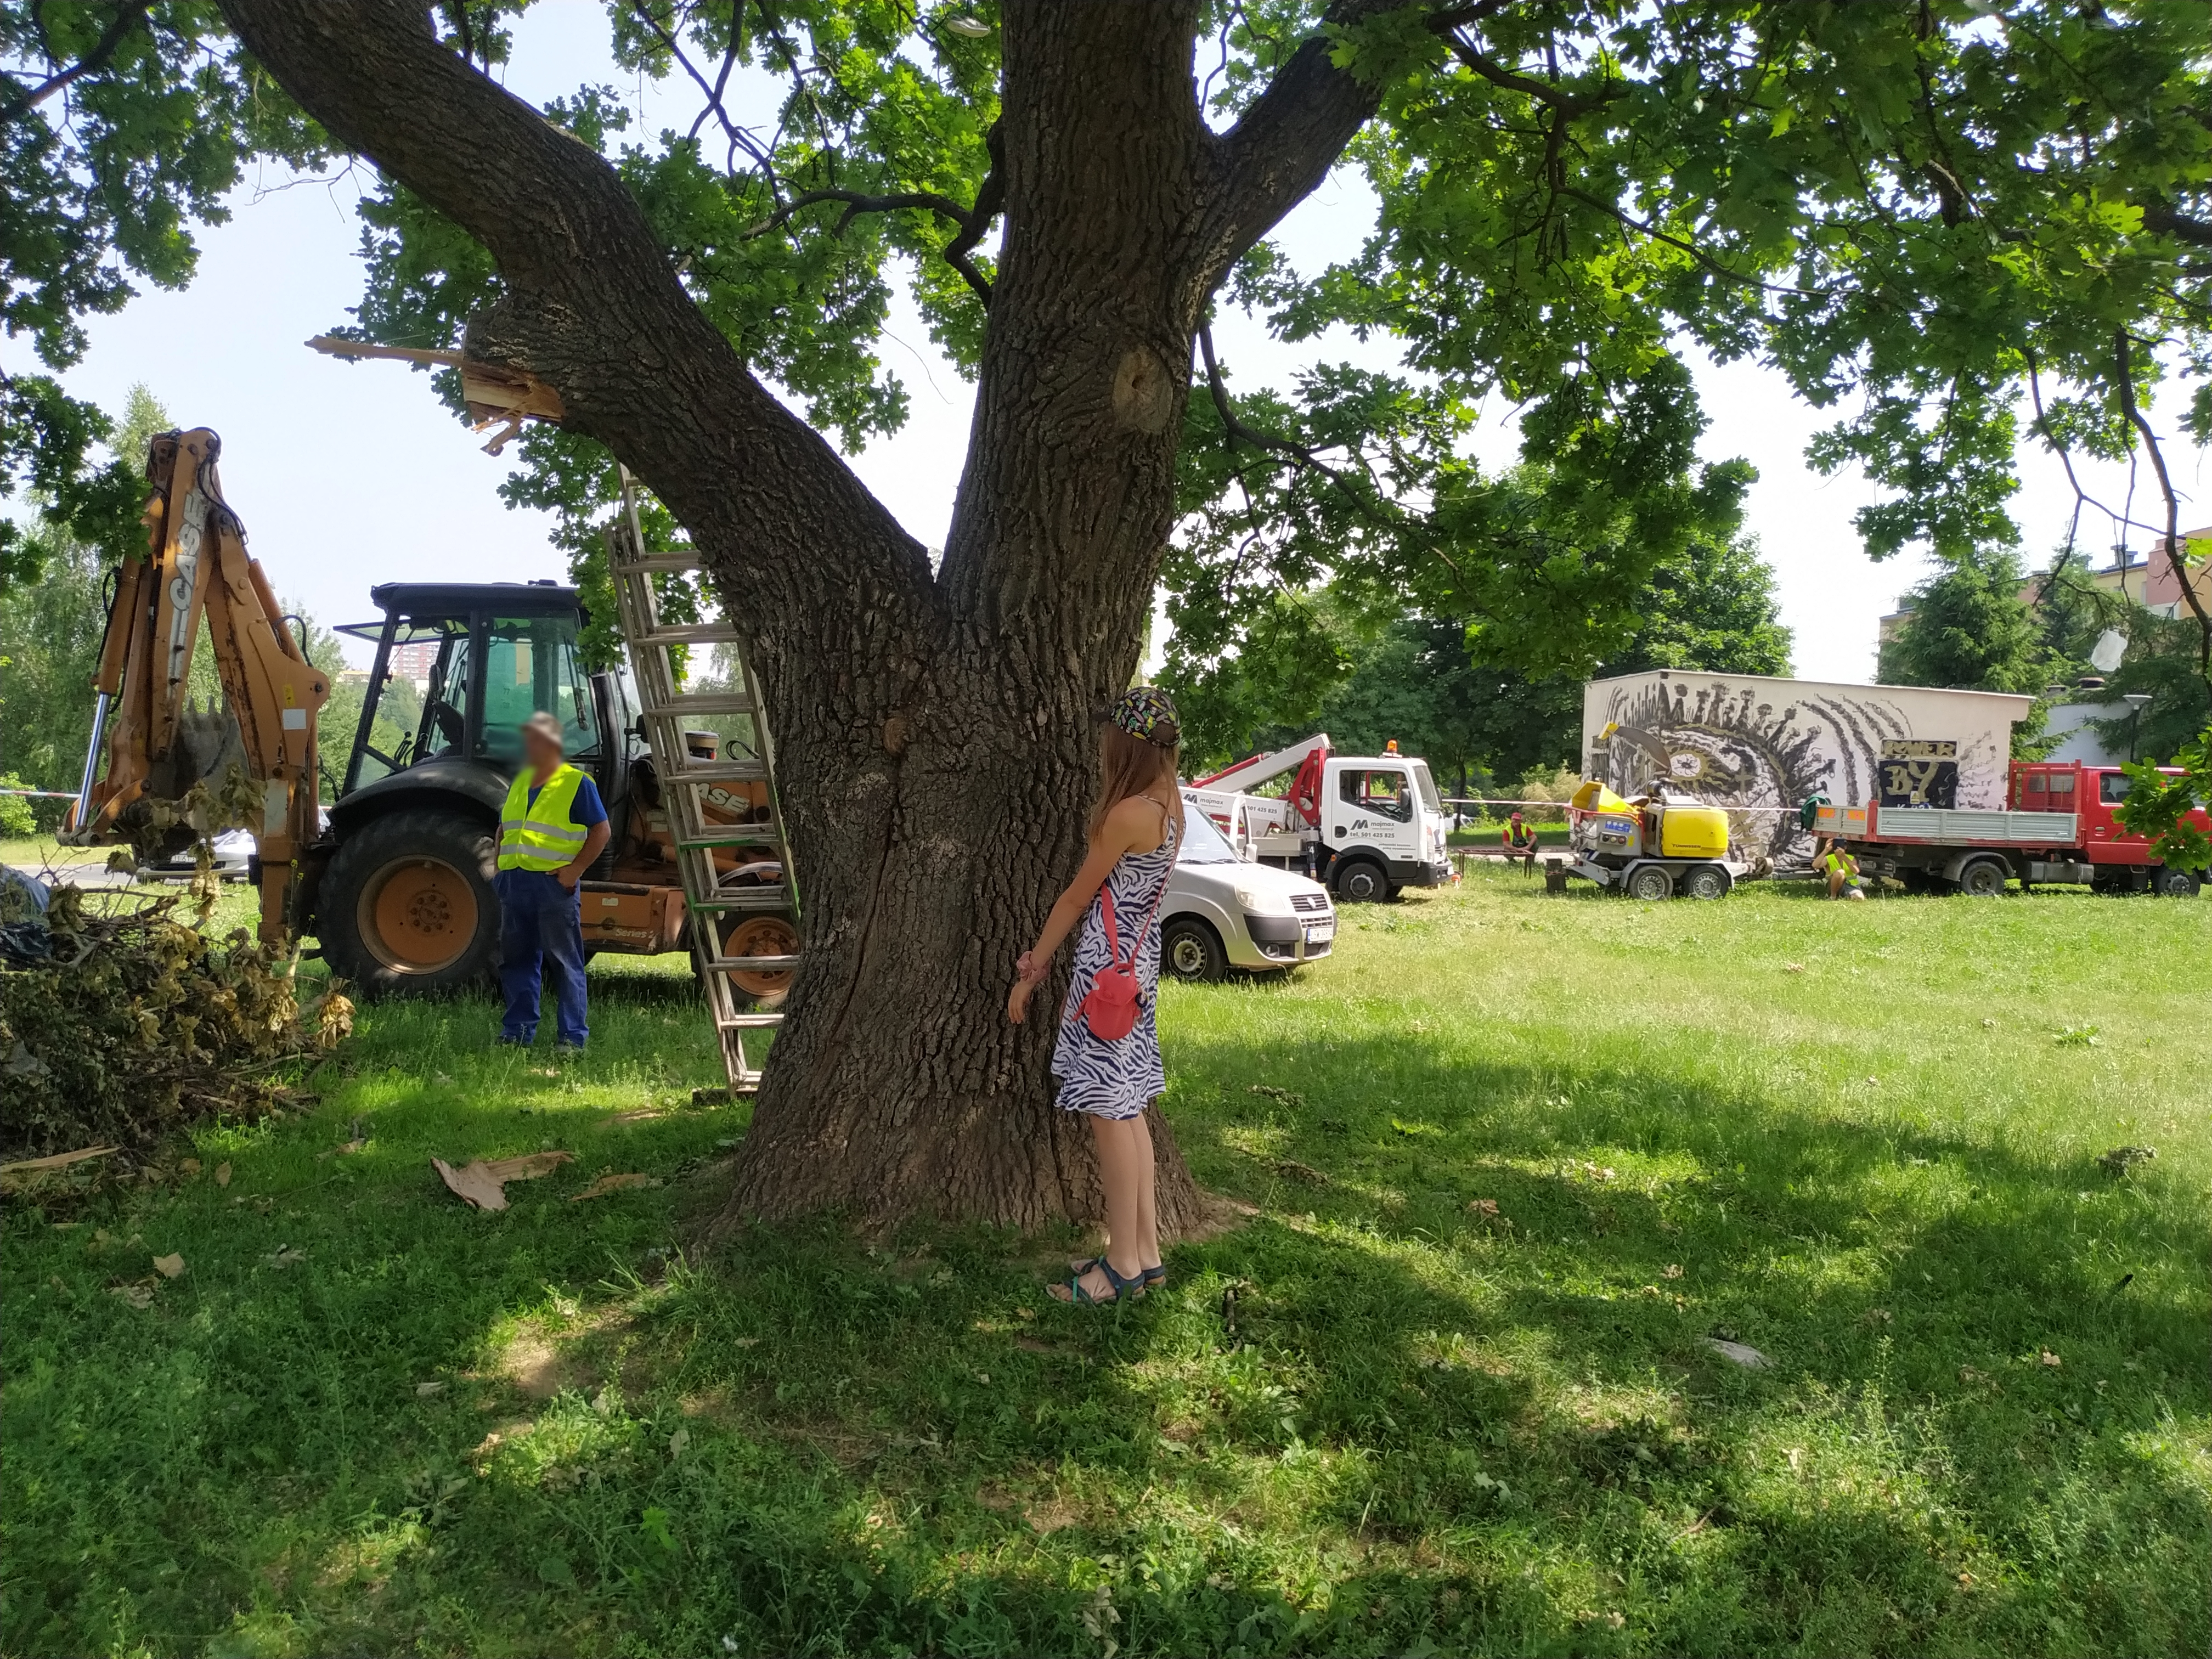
1143 711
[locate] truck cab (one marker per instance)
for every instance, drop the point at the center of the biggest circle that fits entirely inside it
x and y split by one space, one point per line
1382 812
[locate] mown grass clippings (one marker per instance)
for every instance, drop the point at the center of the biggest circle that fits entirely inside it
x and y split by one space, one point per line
1372 1418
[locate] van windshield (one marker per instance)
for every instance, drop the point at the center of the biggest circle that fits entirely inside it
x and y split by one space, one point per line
1428 785
1202 842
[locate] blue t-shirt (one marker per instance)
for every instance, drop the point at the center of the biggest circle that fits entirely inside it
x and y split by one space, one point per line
586 809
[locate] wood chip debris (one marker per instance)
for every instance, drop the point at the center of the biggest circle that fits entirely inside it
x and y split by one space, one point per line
612 1183
484 1184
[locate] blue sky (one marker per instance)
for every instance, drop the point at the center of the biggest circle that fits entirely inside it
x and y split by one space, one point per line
347 474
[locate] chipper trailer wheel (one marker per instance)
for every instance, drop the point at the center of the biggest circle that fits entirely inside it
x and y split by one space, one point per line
1706 881
1650 882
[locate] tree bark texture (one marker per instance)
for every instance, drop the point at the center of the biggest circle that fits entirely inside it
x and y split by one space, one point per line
934 734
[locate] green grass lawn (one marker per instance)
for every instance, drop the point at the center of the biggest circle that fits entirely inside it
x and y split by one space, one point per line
1513 1158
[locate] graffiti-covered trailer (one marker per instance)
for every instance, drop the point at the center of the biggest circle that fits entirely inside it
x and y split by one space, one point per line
1761 747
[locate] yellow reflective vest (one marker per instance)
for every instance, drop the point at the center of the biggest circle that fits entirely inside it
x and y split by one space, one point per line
540 835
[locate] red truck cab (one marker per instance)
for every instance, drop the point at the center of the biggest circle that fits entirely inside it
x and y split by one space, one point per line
2090 792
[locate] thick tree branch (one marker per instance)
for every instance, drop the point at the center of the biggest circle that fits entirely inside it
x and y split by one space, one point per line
2181 227
1283 146
990 203
128 17
593 306
971 221
1570 104
2124 379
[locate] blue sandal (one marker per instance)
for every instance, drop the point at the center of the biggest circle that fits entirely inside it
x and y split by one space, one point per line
1152 1277
1125 1289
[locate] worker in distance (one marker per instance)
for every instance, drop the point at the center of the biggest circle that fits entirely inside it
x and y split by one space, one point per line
551 828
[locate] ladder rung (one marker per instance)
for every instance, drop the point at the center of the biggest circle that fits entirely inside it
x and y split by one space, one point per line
745 834
751 964
766 897
750 1022
654 562
689 633
752 771
701 703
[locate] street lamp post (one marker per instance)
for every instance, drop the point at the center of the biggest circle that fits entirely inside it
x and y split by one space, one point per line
2134 700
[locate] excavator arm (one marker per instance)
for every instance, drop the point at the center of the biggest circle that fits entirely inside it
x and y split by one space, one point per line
196 566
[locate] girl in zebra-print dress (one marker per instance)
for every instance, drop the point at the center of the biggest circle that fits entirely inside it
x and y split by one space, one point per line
1135 829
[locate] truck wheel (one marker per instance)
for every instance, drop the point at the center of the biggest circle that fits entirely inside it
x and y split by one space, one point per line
1984 878
1189 951
1706 881
407 904
2170 882
1650 882
1360 881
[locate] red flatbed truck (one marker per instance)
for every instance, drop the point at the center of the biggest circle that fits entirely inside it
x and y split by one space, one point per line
2057 828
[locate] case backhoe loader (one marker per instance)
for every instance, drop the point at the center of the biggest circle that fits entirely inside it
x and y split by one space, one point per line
397 888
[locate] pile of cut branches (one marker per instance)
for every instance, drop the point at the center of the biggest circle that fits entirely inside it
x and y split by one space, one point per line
133 1022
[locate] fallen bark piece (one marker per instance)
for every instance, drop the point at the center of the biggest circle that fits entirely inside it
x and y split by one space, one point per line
58 1161
612 1183
484 1184
1741 1352
170 1266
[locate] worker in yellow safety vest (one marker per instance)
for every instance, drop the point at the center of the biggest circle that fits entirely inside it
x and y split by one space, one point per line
1520 842
1843 873
551 828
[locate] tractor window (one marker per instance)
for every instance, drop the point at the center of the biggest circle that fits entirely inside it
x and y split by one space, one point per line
531 663
1385 793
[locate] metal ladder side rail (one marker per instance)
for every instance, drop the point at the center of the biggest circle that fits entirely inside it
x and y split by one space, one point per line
665 706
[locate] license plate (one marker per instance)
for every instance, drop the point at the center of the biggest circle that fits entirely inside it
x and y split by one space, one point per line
1320 932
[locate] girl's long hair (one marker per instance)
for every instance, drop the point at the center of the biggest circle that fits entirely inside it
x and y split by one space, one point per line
1130 765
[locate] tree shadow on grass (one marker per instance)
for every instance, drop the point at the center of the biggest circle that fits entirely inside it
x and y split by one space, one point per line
1369 1420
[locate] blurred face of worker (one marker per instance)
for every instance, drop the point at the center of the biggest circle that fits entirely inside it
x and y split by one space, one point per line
541 750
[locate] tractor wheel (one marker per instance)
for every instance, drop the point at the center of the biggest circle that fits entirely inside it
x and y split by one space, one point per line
407 904
1190 952
1984 878
1650 882
1361 881
1706 881
2170 882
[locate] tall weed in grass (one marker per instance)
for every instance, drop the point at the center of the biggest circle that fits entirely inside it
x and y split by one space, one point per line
1513 1161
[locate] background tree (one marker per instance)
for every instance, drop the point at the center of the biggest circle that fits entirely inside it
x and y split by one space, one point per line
51 628
1428 683
1924 206
1971 629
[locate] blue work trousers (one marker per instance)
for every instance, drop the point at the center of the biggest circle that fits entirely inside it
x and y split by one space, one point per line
541 936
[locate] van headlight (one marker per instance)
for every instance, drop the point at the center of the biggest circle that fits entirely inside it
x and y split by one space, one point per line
1258 901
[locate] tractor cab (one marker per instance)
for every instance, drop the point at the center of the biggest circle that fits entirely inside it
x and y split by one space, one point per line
460 666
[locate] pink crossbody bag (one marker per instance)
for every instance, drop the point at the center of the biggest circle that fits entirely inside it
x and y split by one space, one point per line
1110 1009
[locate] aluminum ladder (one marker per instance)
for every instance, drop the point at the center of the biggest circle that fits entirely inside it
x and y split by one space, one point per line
685 780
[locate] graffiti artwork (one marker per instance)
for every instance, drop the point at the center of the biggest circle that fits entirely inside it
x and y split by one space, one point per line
1761 746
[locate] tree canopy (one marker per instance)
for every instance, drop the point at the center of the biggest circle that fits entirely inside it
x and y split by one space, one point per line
1939 219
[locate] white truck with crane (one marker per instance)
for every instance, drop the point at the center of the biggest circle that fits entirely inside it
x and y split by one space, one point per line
1365 824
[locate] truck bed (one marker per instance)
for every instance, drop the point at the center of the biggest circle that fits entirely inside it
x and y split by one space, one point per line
1950 826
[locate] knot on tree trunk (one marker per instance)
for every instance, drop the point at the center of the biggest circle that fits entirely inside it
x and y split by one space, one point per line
1143 391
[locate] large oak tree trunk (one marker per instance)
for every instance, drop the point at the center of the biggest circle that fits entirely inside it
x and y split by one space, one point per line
934 731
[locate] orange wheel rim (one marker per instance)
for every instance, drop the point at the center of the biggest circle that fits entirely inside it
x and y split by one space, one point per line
763 936
418 915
